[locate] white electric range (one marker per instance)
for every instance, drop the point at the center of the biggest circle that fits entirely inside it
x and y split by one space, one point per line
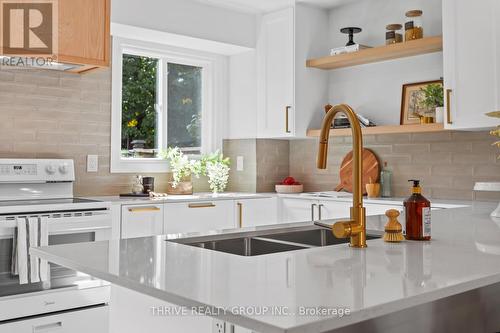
43 188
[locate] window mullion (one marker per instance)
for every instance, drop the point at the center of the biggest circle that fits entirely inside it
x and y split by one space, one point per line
159 106
164 110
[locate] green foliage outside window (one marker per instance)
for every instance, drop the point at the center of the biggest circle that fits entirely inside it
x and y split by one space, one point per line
138 101
139 116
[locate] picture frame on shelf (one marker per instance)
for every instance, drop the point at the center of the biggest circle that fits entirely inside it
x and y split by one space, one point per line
411 102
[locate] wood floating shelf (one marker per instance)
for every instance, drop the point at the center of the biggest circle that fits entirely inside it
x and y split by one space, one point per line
391 129
380 53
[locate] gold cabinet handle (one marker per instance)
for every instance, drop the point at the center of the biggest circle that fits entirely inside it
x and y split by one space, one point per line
448 108
201 205
287 117
144 209
240 214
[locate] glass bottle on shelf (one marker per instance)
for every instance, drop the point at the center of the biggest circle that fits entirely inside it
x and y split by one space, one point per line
393 34
413 25
386 181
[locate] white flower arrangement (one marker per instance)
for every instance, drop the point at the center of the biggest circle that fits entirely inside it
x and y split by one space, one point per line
218 176
216 167
181 166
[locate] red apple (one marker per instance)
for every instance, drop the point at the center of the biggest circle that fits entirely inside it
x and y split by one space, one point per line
288 181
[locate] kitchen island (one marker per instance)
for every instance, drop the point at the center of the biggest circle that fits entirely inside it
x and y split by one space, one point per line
316 289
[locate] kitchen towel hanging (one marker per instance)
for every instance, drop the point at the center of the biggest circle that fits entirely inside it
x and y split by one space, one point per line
30 232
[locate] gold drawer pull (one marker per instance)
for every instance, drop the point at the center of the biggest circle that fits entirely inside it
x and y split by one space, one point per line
201 205
448 108
144 209
240 214
287 116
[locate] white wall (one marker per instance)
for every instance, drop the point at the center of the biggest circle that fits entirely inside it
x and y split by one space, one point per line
189 18
374 90
311 85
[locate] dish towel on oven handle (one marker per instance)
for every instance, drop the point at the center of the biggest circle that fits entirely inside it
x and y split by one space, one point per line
20 250
43 233
30 232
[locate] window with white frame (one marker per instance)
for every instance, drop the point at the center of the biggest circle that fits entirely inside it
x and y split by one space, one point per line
162 97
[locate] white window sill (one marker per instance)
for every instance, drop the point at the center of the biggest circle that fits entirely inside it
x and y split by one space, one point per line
139 165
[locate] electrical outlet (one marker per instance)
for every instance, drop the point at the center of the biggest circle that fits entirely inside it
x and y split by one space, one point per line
218 326
239 163
92 163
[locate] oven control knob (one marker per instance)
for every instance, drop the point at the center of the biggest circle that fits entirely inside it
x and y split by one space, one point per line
63 168
51 169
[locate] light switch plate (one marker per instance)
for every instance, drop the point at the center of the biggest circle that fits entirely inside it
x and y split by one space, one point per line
239 163
92 163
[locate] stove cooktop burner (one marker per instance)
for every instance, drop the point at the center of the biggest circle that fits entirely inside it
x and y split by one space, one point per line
10 203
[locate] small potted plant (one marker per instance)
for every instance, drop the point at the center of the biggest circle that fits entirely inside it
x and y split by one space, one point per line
434 99
181 171
216 167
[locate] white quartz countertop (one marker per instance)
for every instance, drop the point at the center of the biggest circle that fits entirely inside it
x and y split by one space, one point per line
202 196
464 254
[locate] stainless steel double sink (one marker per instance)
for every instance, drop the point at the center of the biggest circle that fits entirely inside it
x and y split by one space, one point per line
255 243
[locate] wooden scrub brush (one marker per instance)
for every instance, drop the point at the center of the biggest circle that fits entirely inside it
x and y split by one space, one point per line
393 230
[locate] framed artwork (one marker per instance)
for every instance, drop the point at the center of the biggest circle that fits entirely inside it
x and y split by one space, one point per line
411 108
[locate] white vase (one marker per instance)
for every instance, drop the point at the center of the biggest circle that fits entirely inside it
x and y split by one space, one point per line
439 115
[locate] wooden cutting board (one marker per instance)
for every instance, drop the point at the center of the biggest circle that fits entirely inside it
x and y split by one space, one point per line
371 170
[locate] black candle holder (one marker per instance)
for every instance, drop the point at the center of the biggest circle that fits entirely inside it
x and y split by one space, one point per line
351 31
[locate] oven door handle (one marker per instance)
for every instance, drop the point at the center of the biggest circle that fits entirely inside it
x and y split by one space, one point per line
84 229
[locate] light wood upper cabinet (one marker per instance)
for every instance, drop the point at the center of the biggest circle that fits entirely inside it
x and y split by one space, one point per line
471 61
84 33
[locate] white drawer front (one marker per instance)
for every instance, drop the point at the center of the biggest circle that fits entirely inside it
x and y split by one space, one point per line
142 220
199 216
93 320
256 212
297 210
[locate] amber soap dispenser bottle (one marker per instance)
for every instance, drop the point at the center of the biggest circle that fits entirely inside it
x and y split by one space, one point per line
418 214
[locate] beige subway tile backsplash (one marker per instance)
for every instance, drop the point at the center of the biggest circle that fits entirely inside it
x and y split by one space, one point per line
448 163
49 114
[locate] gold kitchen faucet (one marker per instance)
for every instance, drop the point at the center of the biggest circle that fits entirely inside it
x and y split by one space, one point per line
355 228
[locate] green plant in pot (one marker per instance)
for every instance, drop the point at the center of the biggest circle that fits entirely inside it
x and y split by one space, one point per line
216 167
181 171
434 100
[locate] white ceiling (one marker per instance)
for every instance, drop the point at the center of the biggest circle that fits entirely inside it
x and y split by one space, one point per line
257 6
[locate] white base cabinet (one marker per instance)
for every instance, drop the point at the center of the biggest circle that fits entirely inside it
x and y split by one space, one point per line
93 320
256 212
142 220
203 216
297 210
301 210
132 312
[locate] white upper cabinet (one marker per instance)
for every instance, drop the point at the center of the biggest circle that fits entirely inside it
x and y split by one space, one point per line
276 74
289 97
471 59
